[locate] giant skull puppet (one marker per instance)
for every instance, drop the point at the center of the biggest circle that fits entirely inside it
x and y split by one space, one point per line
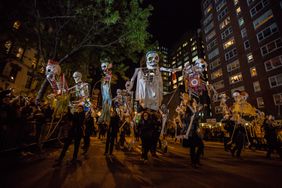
149 88
55 78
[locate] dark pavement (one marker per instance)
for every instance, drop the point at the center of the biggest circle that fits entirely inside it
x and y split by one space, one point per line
125 169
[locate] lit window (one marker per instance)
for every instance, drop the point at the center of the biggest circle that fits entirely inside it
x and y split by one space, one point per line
235 78
238 10
194 48
216 74
256 86
233 66
185 44
195 58
260 102
17 24
250 57
228 43
224 23
277 98
253 71
218 85
20 53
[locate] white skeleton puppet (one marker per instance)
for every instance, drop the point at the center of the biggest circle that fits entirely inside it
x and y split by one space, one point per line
149 88
106 90
223 98
164 112
118 103
81 90
55 78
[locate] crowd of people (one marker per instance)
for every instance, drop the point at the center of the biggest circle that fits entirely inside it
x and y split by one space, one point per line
19 113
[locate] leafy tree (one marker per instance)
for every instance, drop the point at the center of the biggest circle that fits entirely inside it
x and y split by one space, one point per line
72 31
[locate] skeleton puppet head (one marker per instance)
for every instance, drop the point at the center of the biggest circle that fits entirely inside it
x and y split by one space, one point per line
152 59
200 65
53 69
106 65
77 77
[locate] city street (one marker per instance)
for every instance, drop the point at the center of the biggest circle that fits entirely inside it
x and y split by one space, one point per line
125 169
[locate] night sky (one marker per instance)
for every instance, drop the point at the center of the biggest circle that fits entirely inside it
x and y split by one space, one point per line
171 19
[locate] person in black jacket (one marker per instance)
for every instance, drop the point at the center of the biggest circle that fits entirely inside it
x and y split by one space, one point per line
75 133
112 132
89 129
146 128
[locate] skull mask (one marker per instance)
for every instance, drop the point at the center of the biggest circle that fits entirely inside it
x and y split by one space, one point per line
77 77
106 65
152 60
200 65
53 69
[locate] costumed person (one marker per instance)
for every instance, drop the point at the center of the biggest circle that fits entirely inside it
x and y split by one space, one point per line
228 125
89 129
75 133
157 122
112 133
271 137
194 135
238 140
106 90
146 129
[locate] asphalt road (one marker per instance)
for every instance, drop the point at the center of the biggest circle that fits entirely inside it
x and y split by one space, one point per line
125 169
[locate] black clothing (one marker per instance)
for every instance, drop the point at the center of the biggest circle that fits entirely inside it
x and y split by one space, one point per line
89 128
146 128
112 134
238 140
75 132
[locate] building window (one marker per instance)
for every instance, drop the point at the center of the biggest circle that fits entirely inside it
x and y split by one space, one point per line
211 44
230 54
250 57
267 32
275 81
235 78
210 35
233 66
277 98
238 11
263 19
244 33
260 102
273 63
256 86
258 7
253 71
224 23
195 58
194 48
215 64
222 14
207 20
236 2
209 27
194 53
228 43
246 44
216 74
208 9
213 54
218 85
271 47
241 21
226 33
220 5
